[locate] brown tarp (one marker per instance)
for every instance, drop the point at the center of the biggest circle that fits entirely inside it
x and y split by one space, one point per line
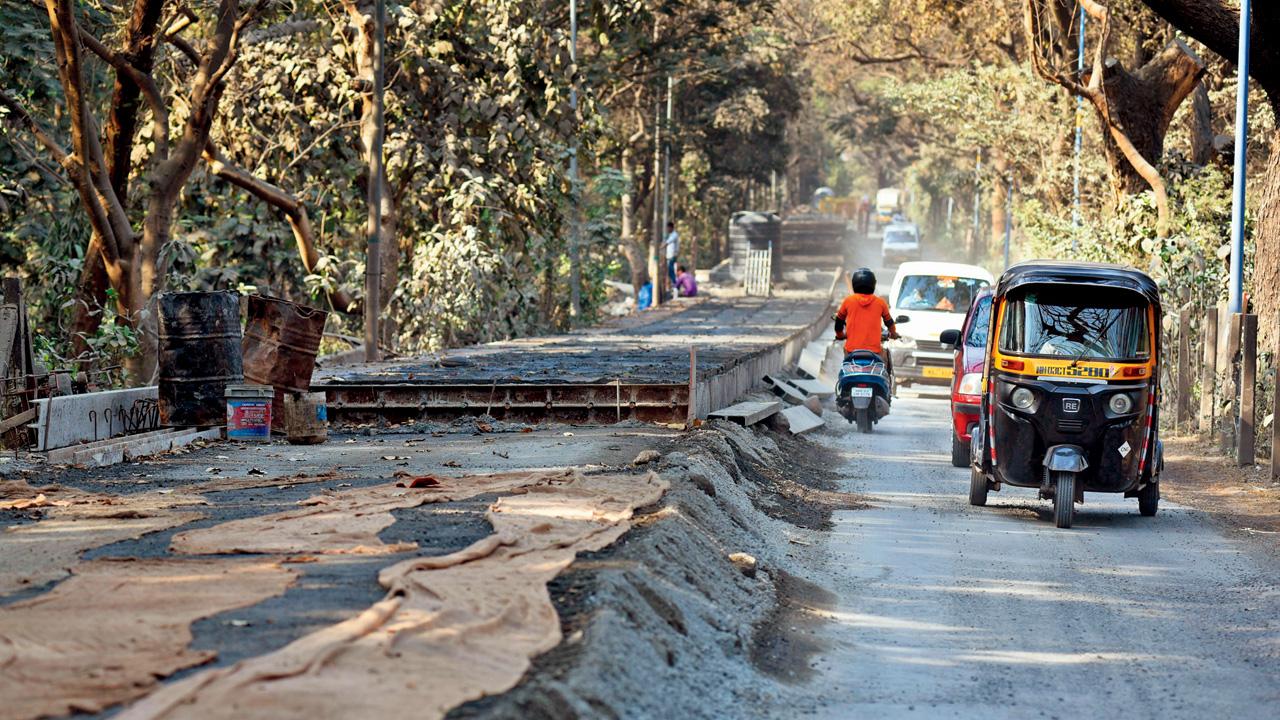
75 521
451 629
346 522
105 634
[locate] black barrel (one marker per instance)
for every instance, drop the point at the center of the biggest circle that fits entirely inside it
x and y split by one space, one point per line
750 230
199 356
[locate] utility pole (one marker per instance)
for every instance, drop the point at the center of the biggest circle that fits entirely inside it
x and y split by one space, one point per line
1008 221
773 192
977 201
1076 215
655 252
1236 283
666 165
373 256
575 269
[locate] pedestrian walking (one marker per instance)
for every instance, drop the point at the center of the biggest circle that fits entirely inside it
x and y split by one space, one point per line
672 247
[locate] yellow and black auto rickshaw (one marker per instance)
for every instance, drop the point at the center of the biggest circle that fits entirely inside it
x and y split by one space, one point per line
1070 388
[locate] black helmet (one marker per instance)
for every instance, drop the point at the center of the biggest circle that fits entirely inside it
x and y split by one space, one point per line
863 281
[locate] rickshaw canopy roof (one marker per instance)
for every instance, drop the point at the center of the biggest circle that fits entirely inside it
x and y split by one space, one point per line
1048 272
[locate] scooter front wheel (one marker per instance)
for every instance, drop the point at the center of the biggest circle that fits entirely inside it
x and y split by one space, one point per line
864 420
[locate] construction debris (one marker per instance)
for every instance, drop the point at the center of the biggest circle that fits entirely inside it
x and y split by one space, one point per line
800 419
748 413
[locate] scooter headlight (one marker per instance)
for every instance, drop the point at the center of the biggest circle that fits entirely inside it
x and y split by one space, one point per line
970 384
1022 398
1121 403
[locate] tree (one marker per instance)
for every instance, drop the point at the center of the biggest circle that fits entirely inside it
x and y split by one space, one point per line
1135 108
99 163
1215 24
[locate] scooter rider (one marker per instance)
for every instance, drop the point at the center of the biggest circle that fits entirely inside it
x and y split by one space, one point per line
859 317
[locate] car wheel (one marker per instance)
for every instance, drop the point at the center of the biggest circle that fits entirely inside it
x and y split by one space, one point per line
959 451
977 487
1149 499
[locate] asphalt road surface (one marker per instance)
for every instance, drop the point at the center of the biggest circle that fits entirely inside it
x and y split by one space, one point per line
946 610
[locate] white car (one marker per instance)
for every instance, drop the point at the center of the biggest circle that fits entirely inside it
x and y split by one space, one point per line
936 296
901 242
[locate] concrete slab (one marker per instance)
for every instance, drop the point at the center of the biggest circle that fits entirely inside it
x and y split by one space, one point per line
73 419
119 449
783 388
813 387
748 413
801 419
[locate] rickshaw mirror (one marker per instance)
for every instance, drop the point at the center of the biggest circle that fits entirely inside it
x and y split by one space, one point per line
950 337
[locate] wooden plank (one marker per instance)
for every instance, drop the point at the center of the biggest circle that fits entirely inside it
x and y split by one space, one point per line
1209 371
1184 368
25 416
801 419
748 413
814 387
1245 452
1231 389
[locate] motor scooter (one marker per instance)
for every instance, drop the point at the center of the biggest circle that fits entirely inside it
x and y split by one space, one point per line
865 387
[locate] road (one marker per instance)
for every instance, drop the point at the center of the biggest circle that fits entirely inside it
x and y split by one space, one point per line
947 610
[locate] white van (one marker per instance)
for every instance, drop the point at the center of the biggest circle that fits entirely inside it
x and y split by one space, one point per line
936 296
901 242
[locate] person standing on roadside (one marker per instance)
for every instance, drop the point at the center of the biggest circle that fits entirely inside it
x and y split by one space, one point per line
672 247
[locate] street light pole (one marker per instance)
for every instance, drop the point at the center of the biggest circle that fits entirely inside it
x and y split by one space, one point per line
1236 281
666 161
373 256
575 269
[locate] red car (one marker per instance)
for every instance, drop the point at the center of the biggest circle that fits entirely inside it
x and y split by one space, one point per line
970 344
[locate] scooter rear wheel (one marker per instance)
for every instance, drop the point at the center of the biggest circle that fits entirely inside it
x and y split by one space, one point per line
864 420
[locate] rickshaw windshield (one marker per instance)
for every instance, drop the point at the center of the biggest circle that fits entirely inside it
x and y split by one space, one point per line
1053 322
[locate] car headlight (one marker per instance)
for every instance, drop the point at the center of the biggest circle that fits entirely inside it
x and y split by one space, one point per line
1120 404
970 384
1022 398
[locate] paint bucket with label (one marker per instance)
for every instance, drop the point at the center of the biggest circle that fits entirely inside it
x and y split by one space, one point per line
249 412
306 418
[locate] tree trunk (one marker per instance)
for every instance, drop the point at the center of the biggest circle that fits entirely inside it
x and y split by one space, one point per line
1142 104
1265 287
1201 122
999 200
634 251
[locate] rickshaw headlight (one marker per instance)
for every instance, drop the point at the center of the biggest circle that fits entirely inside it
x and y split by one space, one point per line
1022 398
1121 404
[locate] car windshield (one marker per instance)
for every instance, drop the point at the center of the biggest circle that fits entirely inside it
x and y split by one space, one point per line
899 237
1052 322
938 292
977 337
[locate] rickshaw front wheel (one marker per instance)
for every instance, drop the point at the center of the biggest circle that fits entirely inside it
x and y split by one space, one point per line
977 487
1149 499
1064 498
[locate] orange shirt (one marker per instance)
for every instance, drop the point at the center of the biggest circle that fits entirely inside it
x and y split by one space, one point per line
862 315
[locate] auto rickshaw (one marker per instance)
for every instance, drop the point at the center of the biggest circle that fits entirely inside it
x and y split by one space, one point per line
1070 387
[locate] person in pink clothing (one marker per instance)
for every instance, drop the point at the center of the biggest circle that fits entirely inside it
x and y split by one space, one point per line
686 284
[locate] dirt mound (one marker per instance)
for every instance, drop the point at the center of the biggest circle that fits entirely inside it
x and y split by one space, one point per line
663 623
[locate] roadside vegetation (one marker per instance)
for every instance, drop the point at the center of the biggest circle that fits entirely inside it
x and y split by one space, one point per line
153 145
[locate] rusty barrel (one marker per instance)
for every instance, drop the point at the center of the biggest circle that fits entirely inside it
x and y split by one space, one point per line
199 336
281 340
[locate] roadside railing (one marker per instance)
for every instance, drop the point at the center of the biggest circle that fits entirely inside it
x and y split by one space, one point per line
1219 382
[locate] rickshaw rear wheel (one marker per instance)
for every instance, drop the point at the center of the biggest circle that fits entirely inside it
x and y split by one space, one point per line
1149 499
977 487
1064 498
864 420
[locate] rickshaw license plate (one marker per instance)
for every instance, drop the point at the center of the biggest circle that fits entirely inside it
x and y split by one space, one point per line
861 392
937 372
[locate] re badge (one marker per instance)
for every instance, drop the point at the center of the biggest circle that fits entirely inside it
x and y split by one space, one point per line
1071 405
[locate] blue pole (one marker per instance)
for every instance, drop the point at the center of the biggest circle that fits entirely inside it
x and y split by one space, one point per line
1075 210
1235 287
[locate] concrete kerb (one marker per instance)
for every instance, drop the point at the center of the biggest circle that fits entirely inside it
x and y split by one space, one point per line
726 386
